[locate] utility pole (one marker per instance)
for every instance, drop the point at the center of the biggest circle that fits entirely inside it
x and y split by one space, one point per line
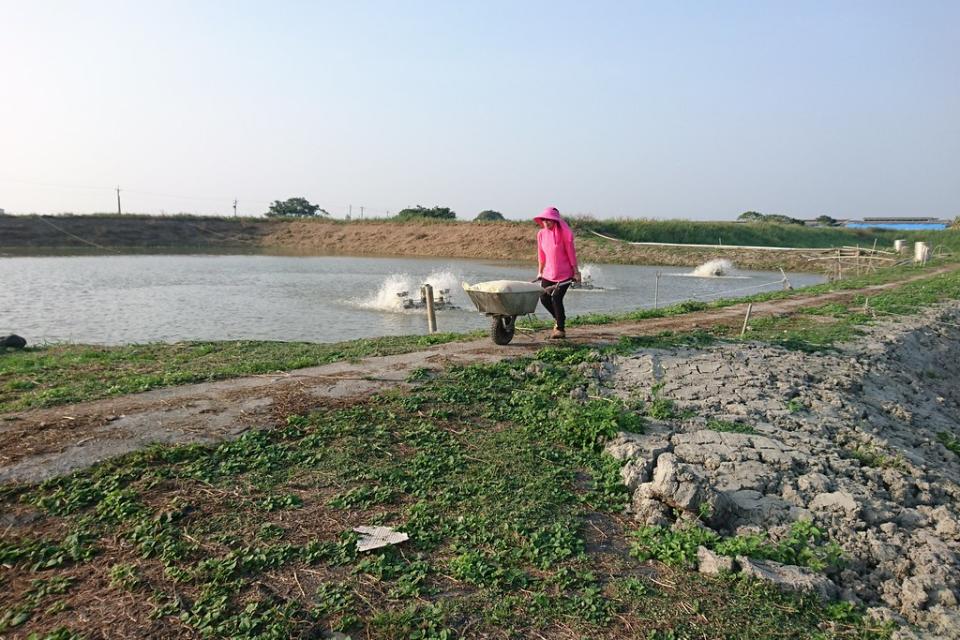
119 211
351 211
361 213
234 207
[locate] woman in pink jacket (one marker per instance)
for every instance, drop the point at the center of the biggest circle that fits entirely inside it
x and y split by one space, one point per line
557 258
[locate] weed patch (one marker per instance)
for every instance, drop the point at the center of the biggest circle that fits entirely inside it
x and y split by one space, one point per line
494 471
727 426
950 441
804 546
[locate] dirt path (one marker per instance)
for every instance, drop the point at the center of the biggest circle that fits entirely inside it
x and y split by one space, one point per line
43 443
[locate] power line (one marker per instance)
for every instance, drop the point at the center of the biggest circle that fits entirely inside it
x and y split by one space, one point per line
346 208
73 235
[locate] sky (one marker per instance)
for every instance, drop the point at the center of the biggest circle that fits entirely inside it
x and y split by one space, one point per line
696 110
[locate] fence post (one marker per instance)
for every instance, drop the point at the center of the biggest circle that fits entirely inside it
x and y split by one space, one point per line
786 283
427 292
656 292
746 319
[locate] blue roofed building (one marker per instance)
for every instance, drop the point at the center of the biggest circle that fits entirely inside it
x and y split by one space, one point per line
903 224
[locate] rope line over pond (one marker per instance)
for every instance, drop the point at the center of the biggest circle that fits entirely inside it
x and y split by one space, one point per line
705 246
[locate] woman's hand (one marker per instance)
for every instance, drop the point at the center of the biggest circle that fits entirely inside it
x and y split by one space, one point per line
576 276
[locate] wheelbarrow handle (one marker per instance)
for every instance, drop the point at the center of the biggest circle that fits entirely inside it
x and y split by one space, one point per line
556 286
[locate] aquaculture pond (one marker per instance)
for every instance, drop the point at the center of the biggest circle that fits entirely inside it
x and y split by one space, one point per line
169 298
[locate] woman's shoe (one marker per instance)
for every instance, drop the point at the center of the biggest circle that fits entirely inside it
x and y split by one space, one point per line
558 334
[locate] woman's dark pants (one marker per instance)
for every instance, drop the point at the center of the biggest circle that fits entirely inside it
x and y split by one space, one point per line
554 302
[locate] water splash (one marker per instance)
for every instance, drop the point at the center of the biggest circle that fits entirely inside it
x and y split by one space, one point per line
387 297
591 273
591 278
713 268
444 280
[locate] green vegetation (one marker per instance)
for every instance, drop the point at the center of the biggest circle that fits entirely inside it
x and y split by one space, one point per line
950 441
819 328
763 234
869 455
661 408
826 221
295 208
417 212
489 215
494 472
773 218
727 426
804 546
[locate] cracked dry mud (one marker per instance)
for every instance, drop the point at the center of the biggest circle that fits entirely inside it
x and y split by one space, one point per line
847 439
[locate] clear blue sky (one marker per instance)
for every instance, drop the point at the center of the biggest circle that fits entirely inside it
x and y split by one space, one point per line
656 109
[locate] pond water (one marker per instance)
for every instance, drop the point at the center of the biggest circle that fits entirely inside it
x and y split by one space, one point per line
168 298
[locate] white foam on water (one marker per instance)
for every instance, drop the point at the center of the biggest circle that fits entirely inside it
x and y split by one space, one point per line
591 274
387 298
445 279
716 268
713 268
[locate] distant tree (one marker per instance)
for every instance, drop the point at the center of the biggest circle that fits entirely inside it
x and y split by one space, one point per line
439 213
826 221
781 219
489 215
295 207
754 216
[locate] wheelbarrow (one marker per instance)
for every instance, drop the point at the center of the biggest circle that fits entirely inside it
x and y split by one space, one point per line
503 307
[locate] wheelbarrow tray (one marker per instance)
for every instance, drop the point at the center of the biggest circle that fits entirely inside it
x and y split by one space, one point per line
517 303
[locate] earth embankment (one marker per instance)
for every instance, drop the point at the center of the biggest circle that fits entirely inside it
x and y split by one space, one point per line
851 440
45 235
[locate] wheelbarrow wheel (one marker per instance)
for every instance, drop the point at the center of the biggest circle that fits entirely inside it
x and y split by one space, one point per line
502 328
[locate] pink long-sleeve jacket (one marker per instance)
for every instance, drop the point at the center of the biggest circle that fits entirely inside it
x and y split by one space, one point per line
555 248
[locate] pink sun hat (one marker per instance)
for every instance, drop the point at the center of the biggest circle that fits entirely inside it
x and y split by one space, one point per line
550 213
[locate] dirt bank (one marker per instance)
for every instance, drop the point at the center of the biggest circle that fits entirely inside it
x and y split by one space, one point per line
109 234
26 235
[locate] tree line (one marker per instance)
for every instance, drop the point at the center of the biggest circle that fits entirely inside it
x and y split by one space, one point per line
303 208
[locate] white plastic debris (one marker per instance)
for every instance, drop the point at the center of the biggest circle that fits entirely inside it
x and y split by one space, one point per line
376 537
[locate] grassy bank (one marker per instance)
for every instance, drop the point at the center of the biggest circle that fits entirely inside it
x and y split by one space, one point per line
494 471
62 374
822 326
761 234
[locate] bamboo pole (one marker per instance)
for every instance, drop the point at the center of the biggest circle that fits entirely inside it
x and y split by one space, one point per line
746 319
